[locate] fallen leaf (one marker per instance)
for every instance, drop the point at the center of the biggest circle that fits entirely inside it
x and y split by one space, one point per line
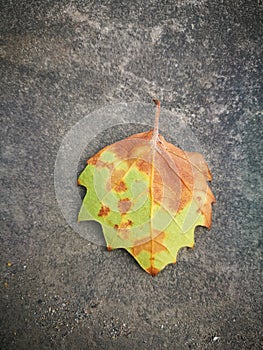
148 195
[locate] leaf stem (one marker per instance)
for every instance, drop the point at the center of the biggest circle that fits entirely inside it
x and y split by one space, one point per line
156 121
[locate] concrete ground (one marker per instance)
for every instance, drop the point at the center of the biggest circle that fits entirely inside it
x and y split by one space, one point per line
62 60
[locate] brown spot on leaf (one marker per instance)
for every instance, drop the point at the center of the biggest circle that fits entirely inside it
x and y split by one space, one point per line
125 224
124 205
104 211
109 248
143 166
117 180
124 229
120 187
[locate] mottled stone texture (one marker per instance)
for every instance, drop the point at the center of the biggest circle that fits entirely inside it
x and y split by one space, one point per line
64 59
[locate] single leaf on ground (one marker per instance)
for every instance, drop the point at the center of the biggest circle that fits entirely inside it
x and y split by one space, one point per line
148 195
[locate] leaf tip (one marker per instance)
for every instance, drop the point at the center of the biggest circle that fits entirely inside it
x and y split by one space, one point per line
109 248
153 271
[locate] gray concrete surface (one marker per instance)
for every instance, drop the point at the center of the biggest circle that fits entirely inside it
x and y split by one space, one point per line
64 59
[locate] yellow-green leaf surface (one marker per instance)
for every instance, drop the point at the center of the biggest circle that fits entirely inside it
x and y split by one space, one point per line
149 196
